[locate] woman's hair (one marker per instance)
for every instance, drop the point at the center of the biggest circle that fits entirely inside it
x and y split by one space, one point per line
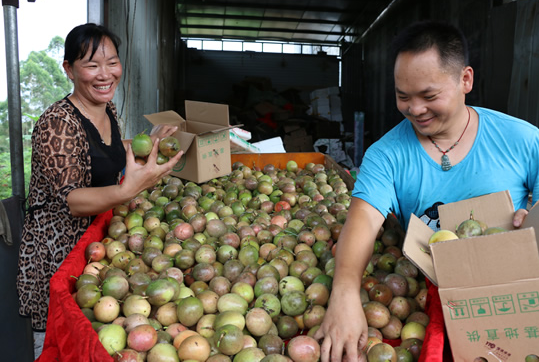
80 38
446 39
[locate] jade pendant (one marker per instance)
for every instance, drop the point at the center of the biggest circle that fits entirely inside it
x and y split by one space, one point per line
446 164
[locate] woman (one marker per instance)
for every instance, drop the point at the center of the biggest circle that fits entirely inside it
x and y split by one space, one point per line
77 160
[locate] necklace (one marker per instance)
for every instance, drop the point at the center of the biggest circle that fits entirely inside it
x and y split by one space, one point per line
446 164
85 113
82 108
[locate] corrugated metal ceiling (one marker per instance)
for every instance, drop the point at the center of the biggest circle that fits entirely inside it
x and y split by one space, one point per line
297 21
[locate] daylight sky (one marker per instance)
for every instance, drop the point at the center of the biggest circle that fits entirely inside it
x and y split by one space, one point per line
38 22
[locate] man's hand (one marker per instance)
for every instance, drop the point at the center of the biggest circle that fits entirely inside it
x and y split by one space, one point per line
344 331
519 217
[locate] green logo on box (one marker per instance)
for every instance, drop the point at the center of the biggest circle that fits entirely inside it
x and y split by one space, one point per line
211 140
503 304
180 165
528 302
459 309
480 307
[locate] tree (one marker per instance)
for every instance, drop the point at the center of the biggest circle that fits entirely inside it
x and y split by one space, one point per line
43 82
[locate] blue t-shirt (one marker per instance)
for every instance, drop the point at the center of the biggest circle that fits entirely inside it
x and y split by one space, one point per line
397 175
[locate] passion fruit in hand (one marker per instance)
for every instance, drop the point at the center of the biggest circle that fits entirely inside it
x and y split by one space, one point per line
169 146
141 145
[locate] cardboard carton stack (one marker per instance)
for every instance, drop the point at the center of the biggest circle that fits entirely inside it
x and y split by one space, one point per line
296 138
489 284
326 103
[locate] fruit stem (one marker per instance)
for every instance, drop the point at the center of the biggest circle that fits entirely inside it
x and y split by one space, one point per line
424 250
223 334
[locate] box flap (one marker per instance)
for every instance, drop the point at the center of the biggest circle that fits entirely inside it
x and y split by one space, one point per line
532 220
416 245
486 260
204 112
166 117
202 128
495 209
185 139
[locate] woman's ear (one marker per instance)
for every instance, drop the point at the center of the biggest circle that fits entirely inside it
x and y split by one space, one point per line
68 69
467 79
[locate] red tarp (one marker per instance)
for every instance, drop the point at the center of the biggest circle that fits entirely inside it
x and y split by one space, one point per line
70 336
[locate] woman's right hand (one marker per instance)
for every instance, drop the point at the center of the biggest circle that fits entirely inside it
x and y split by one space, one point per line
142 177
344 331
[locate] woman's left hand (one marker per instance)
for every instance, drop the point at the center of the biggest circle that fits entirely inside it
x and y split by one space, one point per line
161 131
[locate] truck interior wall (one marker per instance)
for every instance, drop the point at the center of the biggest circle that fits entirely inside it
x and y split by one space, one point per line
211 75
351 83
494 55
524 86
499 63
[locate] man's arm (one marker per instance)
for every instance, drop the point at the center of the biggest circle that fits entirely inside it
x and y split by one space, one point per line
345 327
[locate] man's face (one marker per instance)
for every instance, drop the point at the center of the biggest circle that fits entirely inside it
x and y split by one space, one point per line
428 95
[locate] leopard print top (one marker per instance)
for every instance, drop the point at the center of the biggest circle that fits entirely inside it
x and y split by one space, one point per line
60 163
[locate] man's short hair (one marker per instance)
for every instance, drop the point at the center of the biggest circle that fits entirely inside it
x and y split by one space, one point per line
447 39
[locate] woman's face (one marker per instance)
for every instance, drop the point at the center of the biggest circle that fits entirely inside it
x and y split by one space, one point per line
428 95
96 80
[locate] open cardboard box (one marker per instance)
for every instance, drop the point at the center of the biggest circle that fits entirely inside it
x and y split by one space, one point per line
488 285
204 138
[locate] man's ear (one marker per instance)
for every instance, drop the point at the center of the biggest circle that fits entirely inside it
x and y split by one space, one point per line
68 69
467 79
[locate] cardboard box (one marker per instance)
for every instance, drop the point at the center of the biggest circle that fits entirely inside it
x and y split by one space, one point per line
324 93
241 133
271 145
488 285
240 145
204 138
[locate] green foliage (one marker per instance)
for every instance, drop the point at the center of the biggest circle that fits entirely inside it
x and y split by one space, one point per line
43 82
5 172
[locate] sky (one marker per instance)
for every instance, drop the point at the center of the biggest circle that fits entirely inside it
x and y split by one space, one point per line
38 22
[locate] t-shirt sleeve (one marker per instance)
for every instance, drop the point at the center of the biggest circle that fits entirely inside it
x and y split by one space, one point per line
57 141
534 169
374 183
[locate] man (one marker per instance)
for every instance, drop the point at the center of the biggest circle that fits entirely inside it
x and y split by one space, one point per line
444 151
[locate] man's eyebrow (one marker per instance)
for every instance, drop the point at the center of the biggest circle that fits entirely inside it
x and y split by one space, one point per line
427 90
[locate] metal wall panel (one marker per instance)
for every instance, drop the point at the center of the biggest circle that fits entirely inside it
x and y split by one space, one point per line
212 74
149 53
490 56
524 92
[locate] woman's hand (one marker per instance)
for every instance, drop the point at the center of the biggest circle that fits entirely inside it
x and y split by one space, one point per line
161 131
141 177
344 331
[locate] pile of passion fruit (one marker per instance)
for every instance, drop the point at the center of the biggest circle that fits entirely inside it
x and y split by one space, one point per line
240 269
